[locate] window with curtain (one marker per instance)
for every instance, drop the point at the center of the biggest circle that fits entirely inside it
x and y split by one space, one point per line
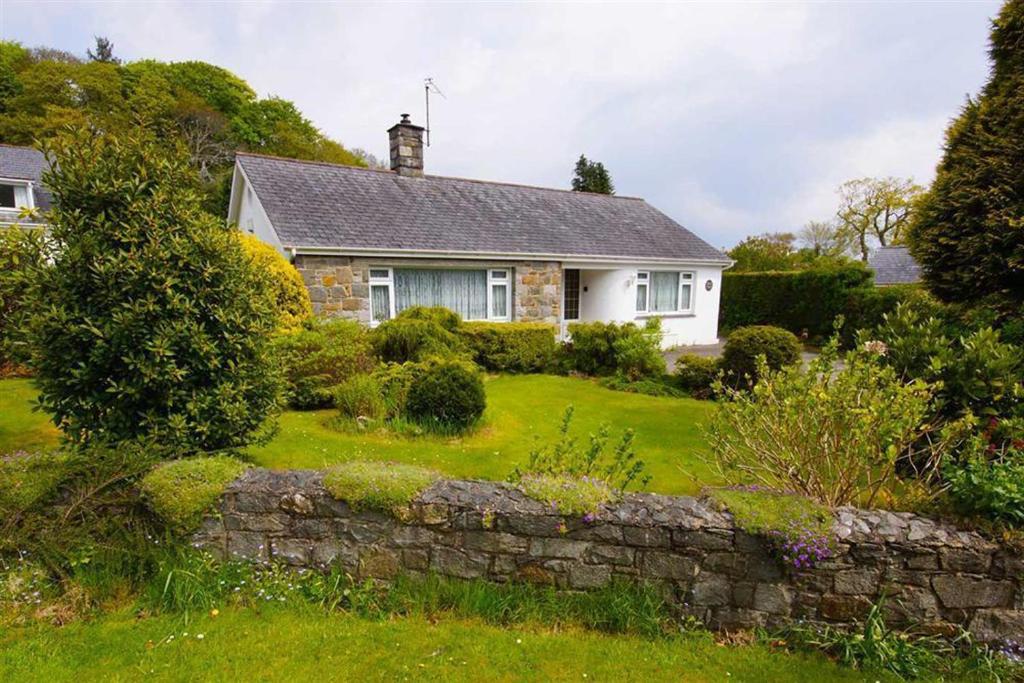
664 292
473 294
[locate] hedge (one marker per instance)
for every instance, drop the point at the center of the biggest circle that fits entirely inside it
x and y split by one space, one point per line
805 302
511 347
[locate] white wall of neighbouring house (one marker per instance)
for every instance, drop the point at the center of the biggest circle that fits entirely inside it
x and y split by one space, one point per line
609 295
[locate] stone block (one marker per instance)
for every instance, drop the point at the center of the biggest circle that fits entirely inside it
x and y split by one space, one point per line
328 552
534 573
657 564
857 581
293 551
418 560
991 625
773 598
711 590
966 592
457 563
733 564
646 537
736 619
495 542
964 560
247 545
702 540
558 548
844 607
297 504
534 525
379 563
610 554
589 576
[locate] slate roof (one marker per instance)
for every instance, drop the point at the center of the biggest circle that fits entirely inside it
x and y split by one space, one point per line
25 163
313 204
894 266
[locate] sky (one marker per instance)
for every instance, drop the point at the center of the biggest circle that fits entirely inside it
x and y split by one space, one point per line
733 118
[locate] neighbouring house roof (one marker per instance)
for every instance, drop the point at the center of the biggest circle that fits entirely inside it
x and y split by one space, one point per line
25 163
328 206
894 266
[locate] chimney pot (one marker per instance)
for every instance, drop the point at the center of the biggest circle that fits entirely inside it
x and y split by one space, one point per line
406 140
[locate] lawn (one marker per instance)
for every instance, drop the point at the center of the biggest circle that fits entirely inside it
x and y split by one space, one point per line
306 644
519 408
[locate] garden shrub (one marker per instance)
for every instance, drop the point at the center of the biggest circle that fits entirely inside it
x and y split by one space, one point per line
289 293
805 302
511 347
154 323
319 356
394 381
383 486
798 528
866 307
418 333
744 345
180 492
360 396
577 479
448 394
23 255
984 472
661 386
696 375
599 348
26 479
834 434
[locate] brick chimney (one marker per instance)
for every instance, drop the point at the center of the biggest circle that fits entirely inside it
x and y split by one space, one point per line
406 147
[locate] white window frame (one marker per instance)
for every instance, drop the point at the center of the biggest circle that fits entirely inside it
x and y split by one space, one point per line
382 281
493 279
686 278
30 202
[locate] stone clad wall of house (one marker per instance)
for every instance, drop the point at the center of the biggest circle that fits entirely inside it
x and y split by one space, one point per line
339 285
932 574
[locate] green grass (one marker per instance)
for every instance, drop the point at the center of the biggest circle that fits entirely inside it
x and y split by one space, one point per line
519 407
296 644
180 491
759 512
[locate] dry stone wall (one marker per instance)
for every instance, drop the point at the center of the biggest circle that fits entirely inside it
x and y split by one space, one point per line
932 574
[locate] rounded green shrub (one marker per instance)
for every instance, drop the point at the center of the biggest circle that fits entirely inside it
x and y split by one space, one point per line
696 374
181 491
447 393
511 347
291 298
739 358
418 333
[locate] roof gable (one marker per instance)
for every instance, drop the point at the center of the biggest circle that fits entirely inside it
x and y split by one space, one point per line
25 163
894 266
319 205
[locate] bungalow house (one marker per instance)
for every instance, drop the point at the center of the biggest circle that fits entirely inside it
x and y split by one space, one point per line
894 266
22 195
371 243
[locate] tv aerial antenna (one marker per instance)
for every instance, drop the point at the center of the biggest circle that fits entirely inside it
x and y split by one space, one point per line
428 87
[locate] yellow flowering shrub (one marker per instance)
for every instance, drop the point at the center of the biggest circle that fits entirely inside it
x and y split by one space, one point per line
290 293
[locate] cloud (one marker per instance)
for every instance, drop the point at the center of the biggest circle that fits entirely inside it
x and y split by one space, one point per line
733 118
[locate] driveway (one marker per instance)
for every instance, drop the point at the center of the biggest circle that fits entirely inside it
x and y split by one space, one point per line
714 351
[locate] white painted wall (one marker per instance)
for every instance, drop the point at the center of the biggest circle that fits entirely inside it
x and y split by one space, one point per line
610 295
248 214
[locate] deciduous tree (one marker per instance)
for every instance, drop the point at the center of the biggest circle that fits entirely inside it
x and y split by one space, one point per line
875 211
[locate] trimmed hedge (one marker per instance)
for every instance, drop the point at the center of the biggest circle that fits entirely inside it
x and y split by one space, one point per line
318 357
803 302
511 347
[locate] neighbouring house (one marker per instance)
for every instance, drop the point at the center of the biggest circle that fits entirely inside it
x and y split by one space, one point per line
894 266
23 198
371 243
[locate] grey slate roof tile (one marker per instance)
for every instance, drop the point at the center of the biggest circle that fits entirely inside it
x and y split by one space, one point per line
315 204
894 266
25 163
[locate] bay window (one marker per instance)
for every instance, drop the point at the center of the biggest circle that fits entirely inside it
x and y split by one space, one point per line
664 291
473 294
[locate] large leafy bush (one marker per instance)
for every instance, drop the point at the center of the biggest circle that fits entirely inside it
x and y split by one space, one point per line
23 255
291 298
599 348
319 356
447 393
511 347
744 346
834 434
151 320
987 477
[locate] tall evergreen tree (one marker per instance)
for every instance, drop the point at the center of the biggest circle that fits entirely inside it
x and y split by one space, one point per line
104 52
968 230
592 176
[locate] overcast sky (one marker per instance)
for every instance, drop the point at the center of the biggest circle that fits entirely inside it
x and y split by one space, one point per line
732 118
